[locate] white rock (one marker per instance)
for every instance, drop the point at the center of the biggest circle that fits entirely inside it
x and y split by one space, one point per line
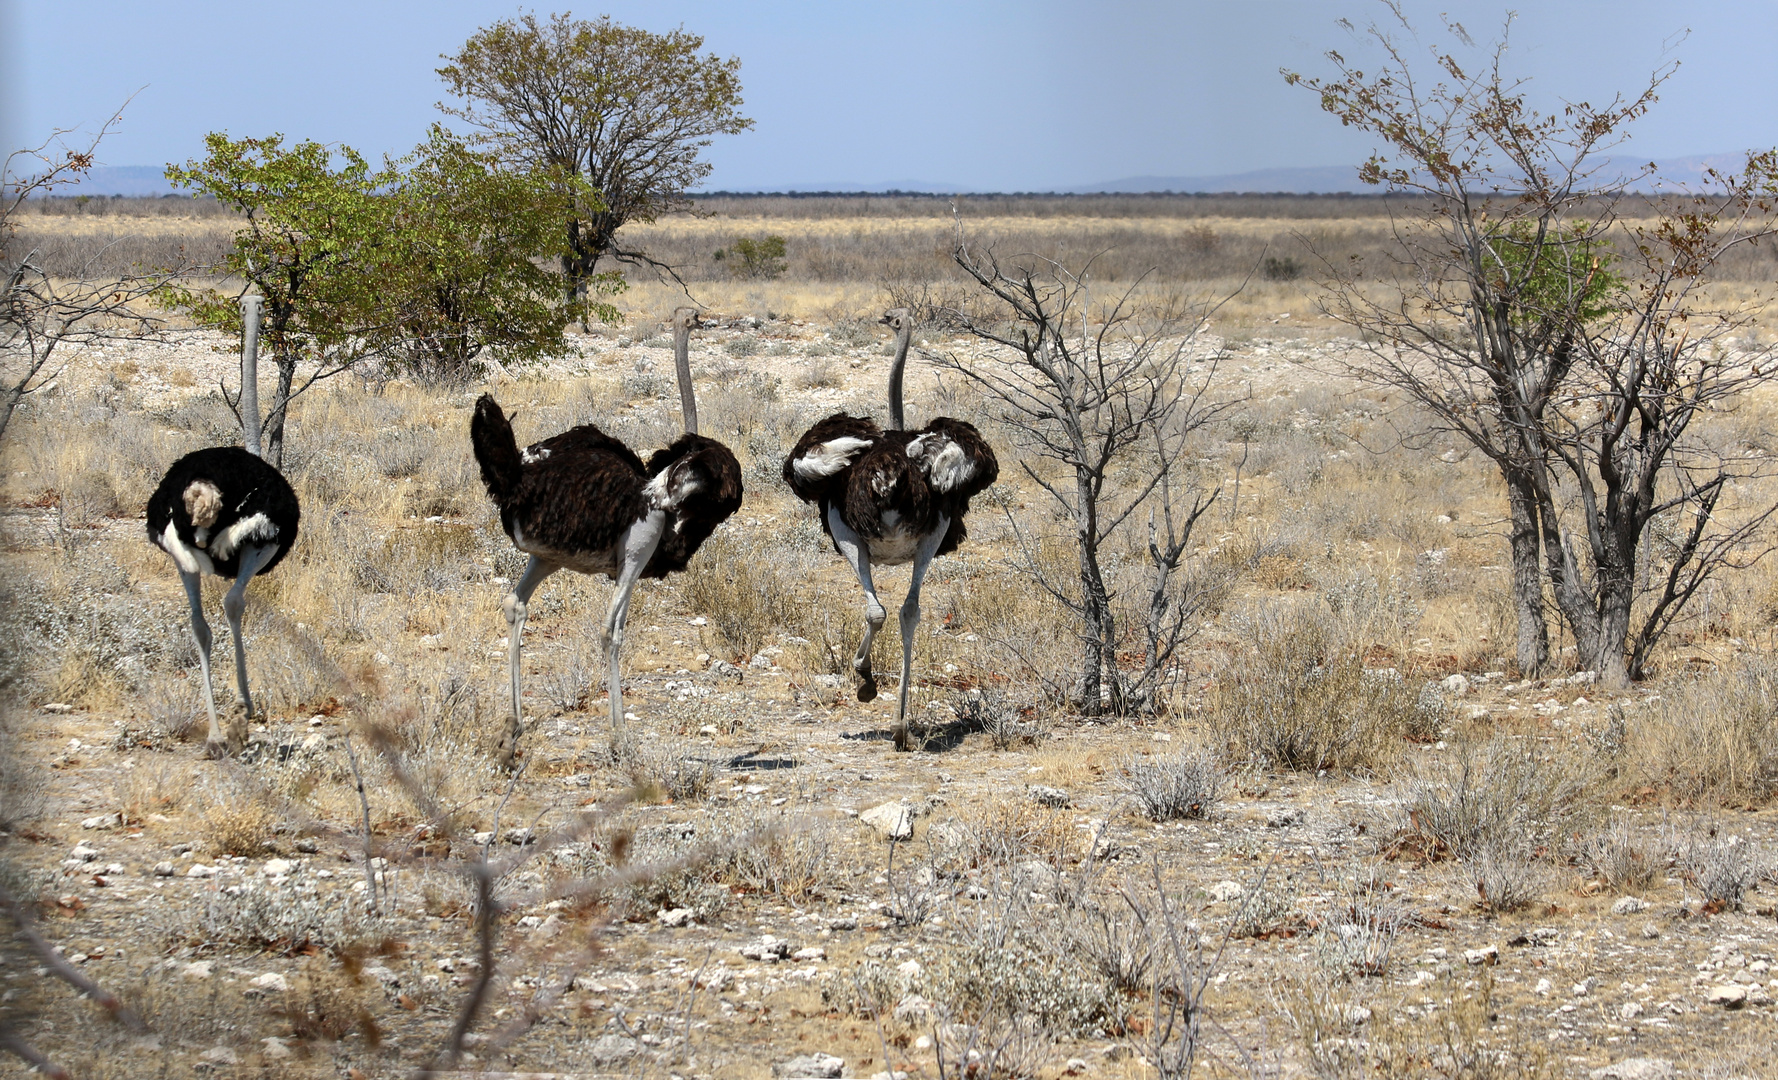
197 969
1224 891
1455 685
612 1049
913 1009
813 952
1489 955
315 743
1628 905
909 968
200 870
1629 1010
277 867
103 821
1729 997
275 1050
83 853
1584 987
163 869
676 917
1635 1069
895 820
220 1055
270 983
810 1067
1544 988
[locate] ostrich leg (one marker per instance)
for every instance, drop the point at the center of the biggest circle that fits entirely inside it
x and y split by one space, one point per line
513 607
639 545
233 604
214 744
910 621
853 550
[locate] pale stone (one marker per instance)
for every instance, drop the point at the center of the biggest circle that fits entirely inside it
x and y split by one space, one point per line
1729 997
1635 1069
1628 905
895 820
815 1066
1489 955
1224 891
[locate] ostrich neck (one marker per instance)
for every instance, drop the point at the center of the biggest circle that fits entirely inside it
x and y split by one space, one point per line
688 402
897 419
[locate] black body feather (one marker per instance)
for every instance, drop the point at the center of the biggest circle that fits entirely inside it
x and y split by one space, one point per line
577 492
248 486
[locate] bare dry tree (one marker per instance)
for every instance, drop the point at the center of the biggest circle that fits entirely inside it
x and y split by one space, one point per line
1111 406
40 313
1522 288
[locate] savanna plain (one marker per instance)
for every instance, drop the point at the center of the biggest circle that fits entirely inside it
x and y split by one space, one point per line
1348 840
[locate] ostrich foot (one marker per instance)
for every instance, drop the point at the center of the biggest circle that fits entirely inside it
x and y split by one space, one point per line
903 740
867 690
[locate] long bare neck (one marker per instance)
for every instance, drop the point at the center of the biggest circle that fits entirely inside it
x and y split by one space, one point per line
688 402
897 418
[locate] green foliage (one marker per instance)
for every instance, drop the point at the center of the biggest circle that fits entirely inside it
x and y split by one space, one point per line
749 258
463 278
626 110
1557 273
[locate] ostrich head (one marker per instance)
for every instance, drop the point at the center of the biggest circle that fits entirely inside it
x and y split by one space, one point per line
898 319
686 318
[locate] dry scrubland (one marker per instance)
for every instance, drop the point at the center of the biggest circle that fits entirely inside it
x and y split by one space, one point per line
1374 868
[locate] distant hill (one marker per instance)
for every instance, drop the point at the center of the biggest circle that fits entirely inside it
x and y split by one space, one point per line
121 180
1324 180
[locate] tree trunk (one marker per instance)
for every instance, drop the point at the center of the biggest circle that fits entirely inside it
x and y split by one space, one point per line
1533 651
274 422
9 400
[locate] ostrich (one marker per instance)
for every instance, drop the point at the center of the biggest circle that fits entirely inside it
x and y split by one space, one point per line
888 498
583 501
224 511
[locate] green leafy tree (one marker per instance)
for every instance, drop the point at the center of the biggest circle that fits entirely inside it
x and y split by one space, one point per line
462 264
625 110
312 235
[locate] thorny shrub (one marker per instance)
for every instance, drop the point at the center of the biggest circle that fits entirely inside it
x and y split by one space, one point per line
1186 784
1298 697
1712 738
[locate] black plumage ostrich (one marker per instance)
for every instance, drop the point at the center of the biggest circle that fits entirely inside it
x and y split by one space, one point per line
224 511
584 501
891 497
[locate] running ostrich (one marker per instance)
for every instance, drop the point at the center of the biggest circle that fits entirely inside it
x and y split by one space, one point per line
888 498
224 511
583 501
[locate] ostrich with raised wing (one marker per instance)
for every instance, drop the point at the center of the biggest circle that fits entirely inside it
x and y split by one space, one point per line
888 498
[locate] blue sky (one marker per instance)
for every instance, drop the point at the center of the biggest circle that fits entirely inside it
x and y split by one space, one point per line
1026 95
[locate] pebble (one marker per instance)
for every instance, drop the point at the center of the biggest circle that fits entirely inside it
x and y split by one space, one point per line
271 982
1224 891
1049 796
277 867
102 821
1628 905
895 820
200 870
197 969
815 1066
1488 956
219 1055
1635 1069
275 1050
676 917
163 869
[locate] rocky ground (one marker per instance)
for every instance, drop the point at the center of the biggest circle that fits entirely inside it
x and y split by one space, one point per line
1326 940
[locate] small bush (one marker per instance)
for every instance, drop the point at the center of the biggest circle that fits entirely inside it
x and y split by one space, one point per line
1723 870
1299 698
1487 798
1713 738
1359 932
1617 858
1277 269
289 918
742 345
994 714
1183 785
751 259
240 826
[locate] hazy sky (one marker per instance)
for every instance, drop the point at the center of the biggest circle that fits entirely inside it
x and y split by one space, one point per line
1022 95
